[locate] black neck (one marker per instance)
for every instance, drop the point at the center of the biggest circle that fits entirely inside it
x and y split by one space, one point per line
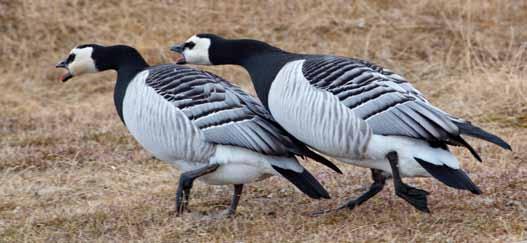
263 70
261 60
127 62
238 51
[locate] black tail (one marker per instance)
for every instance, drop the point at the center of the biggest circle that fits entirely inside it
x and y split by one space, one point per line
305 182
451 177
473 131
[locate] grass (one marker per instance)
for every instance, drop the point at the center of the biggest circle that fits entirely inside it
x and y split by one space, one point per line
69 170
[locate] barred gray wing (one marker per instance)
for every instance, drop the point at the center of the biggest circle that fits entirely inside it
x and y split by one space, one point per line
385 100
223 112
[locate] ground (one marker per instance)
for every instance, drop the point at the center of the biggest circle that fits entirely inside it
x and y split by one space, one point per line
70 171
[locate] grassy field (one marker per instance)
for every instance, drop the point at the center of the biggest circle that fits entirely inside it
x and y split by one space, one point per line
69 170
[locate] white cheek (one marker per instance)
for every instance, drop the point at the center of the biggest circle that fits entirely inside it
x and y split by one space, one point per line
197 57
82 66
82 63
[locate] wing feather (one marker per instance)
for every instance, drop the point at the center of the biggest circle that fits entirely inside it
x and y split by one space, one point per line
385 100
223 112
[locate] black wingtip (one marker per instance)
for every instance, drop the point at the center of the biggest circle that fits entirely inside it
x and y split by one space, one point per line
455 178
305 182
469 147
507 146
473 131
302 150
319 158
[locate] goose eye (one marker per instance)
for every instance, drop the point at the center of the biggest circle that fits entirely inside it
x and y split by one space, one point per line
190 45
70 59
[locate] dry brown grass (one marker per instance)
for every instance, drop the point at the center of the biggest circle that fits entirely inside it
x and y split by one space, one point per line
69 170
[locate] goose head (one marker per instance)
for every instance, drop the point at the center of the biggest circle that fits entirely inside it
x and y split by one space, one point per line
211 49
79 61
92 58
197 49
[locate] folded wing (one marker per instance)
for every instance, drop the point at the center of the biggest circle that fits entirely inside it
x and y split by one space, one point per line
389 104
224 113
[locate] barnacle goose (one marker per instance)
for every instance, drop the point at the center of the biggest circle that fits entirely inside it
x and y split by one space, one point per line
352 110
197 121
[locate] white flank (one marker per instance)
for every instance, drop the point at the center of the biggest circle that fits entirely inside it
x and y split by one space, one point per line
160 127
165 131
407 149
319 119
316 117
240 166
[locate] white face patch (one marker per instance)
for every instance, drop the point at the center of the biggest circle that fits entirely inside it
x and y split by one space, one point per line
83 62
199 52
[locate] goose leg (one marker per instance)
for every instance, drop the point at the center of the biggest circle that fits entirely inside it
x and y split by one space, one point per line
186 198
185 184
416 197
379 181
235 199
378 184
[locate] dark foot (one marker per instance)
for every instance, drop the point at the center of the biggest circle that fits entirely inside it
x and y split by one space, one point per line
238 188
228 213
349 205
414 196
185 184
183 194
377 186
321 212
231 211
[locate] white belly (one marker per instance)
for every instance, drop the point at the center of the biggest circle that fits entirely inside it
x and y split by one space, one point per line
241 166
407 150
407 167
228 173
235 174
